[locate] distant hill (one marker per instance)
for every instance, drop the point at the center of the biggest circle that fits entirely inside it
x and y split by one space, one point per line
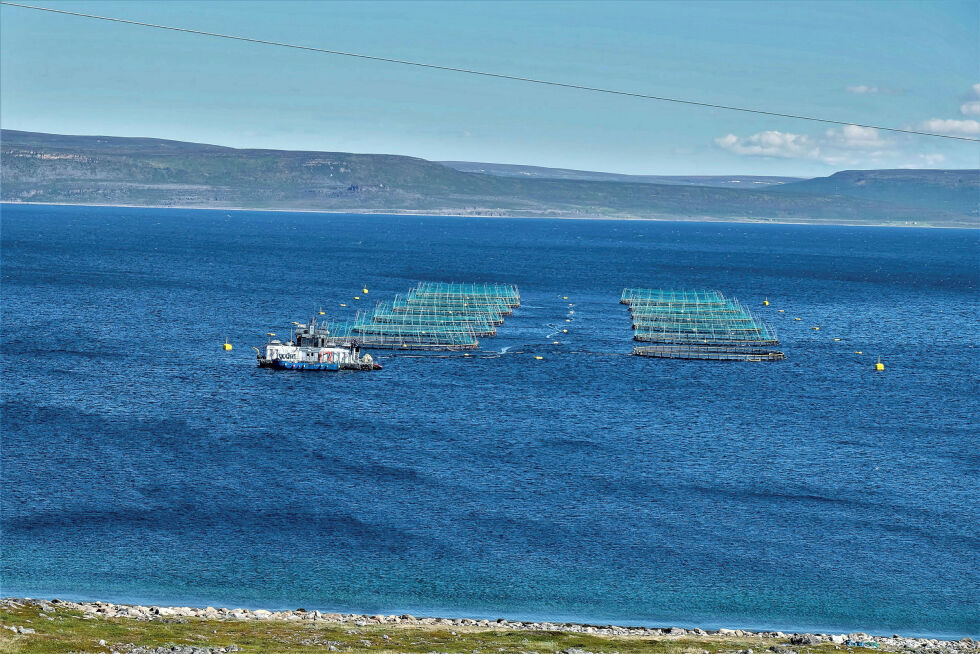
950 190
538 172
140 171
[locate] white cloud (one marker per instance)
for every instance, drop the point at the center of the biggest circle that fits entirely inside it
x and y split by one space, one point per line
771 144
930 160
951 126
972 105
847 145
864 89
855 136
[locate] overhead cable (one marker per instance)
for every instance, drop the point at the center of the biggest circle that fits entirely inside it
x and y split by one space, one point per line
468 71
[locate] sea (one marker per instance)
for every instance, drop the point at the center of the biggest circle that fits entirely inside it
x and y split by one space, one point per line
547 476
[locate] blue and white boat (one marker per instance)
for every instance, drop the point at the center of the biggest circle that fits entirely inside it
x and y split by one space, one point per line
314 349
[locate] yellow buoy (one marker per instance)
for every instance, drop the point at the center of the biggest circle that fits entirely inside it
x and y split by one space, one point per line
836 339
879 366
564 331
322 313
364 290
797 318
781 310
556 343
765 302
226 346
342 304
564 297
272 334
538 357
858 352
357 297
816 329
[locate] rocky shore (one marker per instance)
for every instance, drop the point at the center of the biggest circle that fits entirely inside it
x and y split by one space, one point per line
786 643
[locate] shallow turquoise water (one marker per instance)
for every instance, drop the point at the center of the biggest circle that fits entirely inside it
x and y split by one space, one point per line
143 463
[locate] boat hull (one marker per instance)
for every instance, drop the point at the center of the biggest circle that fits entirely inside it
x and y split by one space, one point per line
279 364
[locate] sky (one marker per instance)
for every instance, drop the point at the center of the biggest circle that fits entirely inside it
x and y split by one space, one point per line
899 64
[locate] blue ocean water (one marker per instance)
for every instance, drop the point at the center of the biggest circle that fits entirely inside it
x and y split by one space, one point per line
140 462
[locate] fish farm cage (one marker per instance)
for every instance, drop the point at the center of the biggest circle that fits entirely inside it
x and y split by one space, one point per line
477 324
698 325
431 316
709 352
505 293
451 303
633 296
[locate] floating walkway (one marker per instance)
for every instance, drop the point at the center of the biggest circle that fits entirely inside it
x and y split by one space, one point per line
697 325
709 352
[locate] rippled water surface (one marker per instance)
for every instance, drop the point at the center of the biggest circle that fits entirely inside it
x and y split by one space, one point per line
143 463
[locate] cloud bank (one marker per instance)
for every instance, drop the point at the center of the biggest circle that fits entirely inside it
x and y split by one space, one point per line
853 145
951 126
846 145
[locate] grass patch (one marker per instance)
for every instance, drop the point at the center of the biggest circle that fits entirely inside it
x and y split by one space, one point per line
66 631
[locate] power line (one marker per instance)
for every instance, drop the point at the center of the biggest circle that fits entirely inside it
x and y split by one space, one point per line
468 71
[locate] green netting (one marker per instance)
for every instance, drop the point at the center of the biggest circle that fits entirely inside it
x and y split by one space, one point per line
376 335
690 310
657 295
705 339
740 323
492 318
478 325
703 318
432 316
506 293
446 303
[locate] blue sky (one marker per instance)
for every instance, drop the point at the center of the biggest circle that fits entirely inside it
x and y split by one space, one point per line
901 64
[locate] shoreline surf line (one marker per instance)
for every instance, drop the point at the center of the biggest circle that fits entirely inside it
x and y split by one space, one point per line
430 214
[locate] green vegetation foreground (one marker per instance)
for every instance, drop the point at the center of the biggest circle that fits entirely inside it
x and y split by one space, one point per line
39 626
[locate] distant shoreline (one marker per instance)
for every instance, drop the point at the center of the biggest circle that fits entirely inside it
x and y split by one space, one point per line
736 221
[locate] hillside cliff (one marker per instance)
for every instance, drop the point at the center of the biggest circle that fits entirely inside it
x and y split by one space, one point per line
140 171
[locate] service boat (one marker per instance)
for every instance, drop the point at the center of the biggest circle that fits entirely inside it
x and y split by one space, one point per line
314 349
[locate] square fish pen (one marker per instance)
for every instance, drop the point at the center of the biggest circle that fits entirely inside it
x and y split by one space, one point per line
368 333
478 325
452 303
494 314
633 296
433 316
505 293
697 325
